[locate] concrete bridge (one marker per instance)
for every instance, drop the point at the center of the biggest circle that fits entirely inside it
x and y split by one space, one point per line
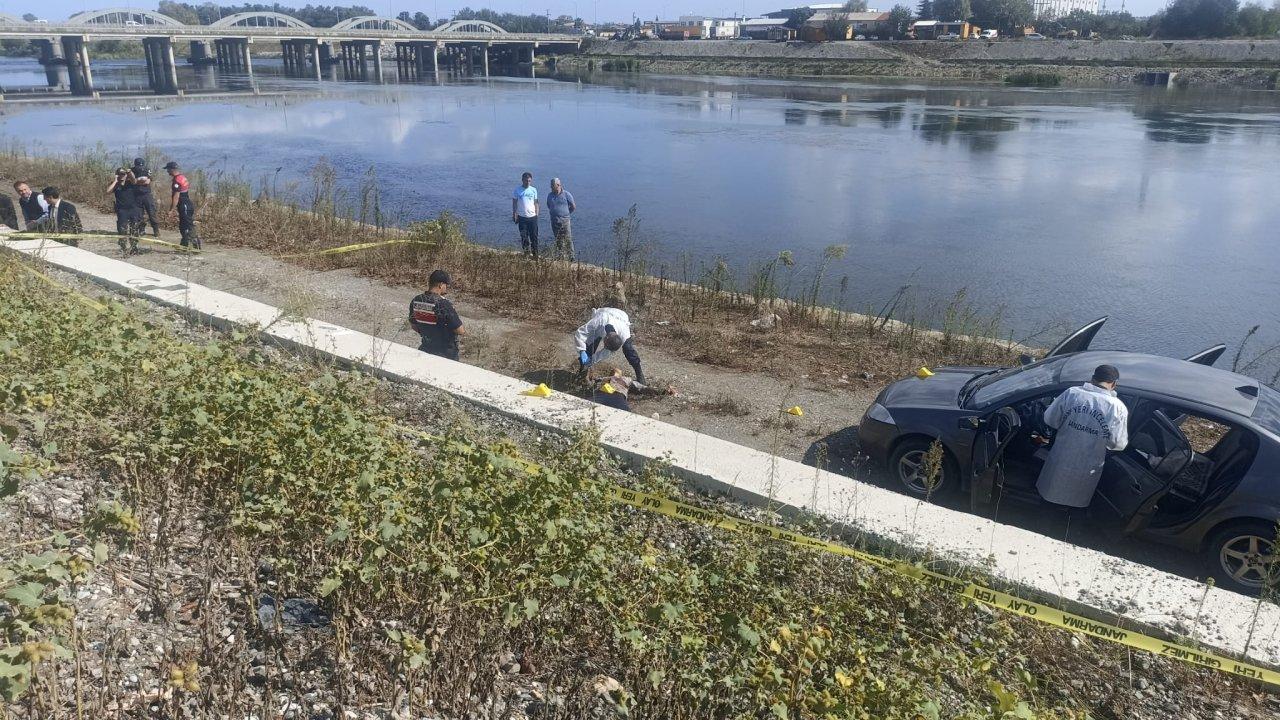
354 44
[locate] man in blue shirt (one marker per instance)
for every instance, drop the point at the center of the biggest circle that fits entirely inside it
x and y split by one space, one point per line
524 213
560 206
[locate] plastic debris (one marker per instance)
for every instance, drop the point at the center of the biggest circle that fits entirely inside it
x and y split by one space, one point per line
541 391
794 410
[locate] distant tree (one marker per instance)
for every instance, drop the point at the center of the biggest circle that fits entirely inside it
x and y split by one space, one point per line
1254 20
29 17
924 10
182 12
853 6
1002 15
836 26
900 18
948 10
798 18
421 21
1198 19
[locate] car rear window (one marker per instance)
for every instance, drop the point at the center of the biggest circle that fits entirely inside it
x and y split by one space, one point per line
1267 413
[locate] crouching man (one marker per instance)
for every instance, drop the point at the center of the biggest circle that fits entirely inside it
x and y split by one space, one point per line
611 328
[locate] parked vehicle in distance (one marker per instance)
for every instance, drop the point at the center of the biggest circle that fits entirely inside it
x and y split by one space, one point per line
1200 472
1034 36
989 34
132 23
948 36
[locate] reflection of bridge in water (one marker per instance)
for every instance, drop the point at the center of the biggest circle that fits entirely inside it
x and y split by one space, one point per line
353 44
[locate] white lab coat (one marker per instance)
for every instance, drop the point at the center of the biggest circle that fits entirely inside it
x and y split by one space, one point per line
1090 420
595 330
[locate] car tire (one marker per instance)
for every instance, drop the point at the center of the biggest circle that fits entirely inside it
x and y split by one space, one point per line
1235 553
906 462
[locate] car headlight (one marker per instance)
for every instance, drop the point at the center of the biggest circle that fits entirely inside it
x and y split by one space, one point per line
880 413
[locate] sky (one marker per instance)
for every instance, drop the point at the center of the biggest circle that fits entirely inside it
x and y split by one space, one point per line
589 10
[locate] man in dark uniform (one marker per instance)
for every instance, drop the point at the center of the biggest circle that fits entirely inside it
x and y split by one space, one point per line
180 202
129 219
434 318
142 189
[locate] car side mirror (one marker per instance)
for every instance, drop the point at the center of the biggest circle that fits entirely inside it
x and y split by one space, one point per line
972 422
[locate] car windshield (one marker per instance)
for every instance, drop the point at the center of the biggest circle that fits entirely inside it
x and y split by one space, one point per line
1013 380
1267 413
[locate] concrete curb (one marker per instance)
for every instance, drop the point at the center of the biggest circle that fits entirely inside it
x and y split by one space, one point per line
1090 582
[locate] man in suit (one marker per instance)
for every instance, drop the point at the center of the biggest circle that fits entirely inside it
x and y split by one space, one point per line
61 217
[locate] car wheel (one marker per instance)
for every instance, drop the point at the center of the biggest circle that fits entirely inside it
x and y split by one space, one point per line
908 463
1242 556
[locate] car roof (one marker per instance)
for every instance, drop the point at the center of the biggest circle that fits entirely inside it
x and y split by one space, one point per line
1208 386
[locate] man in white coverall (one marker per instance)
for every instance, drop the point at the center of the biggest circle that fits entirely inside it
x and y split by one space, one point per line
1090 420
612 328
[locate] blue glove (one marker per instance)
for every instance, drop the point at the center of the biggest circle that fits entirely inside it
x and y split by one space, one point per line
584 358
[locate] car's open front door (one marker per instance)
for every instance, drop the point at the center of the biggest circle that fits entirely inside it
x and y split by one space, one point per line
993 436
1078 340
1135 479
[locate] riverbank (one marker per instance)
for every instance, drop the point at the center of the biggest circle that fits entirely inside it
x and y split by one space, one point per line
449 580
1246 64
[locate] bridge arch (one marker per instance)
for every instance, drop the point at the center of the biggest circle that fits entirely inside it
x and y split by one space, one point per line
259 19
373 22
122 16
470 26
7 19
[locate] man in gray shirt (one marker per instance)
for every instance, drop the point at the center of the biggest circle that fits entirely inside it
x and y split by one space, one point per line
560 206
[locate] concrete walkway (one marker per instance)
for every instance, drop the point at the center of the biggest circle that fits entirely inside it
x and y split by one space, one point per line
1088 581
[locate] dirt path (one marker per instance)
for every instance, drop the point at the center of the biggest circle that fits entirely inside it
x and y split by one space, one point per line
743 407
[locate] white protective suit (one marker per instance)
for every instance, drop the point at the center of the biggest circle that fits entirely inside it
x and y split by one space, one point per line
1090 420
596 329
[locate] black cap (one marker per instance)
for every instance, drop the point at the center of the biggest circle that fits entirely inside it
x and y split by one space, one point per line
139 162
1106 373
438 277
171 165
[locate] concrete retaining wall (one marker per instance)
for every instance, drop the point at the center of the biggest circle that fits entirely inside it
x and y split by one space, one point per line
1090 582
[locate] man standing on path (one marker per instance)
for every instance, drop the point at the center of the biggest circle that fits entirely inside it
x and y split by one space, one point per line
62 217
180 202
32 204
612 328
560 206
524 213
129 222
434 318
142 189
1090 420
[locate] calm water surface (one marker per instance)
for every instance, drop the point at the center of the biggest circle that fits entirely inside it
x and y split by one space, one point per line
1156 207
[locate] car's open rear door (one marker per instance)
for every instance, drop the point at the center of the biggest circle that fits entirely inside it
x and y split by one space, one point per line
1078 340
1135 479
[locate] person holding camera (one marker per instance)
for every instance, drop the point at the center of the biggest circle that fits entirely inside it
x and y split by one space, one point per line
129 218
142 190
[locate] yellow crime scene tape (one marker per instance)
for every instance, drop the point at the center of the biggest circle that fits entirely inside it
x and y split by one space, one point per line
31 235
988 596
355 247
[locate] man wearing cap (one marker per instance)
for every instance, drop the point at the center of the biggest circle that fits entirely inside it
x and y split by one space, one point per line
142 193
180 202
1090 420
434 318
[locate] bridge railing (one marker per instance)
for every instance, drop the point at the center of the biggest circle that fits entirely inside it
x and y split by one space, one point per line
41 30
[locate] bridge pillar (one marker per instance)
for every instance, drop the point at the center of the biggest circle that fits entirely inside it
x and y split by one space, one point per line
245 60
315 58
199 54
435 58
162 70
484 58
376 48
79 72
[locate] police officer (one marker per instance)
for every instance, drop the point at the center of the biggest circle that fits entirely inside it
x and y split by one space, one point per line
142 190
434 318
180 202
129 218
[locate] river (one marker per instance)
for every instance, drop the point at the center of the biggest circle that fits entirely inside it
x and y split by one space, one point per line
1156 207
